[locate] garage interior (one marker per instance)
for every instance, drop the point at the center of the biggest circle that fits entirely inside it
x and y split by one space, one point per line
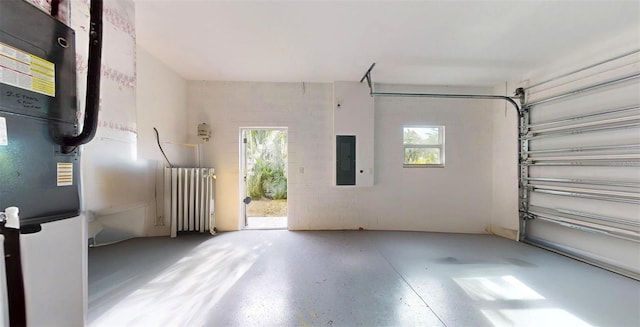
350 278
518 205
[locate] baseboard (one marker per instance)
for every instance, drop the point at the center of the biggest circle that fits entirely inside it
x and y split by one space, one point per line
511 234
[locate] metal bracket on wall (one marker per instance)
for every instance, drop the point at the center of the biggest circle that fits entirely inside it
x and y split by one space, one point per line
367 76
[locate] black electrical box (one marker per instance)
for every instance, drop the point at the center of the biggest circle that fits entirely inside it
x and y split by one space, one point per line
38 107
345 160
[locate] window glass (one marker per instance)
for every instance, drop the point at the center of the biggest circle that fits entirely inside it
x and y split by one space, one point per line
422 156
423 146
422 135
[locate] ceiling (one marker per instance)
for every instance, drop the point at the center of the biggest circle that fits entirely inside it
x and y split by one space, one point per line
432 42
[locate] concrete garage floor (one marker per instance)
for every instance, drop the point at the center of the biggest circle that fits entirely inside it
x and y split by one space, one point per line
350 278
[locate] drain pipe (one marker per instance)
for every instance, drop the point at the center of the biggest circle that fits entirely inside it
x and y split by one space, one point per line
92 102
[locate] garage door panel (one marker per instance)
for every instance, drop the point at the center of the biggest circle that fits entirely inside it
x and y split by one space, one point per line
601 100
581 166
626 211
598 247
596 74
630 174
621 211
596 139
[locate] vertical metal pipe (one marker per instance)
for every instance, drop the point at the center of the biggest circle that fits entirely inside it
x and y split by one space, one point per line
55 8
15 280
93 82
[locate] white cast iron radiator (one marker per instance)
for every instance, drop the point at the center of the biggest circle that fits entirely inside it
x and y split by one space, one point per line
188 199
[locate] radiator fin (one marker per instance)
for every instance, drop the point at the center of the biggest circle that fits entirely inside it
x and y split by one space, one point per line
188 200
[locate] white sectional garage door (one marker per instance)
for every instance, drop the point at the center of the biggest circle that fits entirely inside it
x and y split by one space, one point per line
580 165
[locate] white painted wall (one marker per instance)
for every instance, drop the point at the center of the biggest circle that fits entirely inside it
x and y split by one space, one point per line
115 185
305 110
161 103
456 198
123 167
353 114
504 212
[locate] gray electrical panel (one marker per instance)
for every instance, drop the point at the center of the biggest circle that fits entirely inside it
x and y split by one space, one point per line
38 107
346 160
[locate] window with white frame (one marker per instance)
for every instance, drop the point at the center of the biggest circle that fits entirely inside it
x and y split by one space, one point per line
423 146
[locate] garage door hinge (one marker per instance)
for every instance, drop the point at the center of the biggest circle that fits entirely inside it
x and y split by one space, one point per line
526 216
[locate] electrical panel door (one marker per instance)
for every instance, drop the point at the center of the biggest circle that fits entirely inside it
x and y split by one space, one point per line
346 160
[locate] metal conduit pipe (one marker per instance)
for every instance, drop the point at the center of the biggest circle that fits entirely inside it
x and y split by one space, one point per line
367 77
584 182
584 89
55 8
449 96
583 69
592 115
92 101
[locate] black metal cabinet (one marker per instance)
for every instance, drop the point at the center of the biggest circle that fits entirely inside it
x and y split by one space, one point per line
346 160
37 108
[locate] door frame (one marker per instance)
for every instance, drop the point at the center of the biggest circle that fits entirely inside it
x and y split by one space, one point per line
242 170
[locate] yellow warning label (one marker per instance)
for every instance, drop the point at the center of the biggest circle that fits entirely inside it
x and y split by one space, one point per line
27 71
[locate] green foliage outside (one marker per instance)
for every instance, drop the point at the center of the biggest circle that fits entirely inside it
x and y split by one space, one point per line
267 161
421 155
